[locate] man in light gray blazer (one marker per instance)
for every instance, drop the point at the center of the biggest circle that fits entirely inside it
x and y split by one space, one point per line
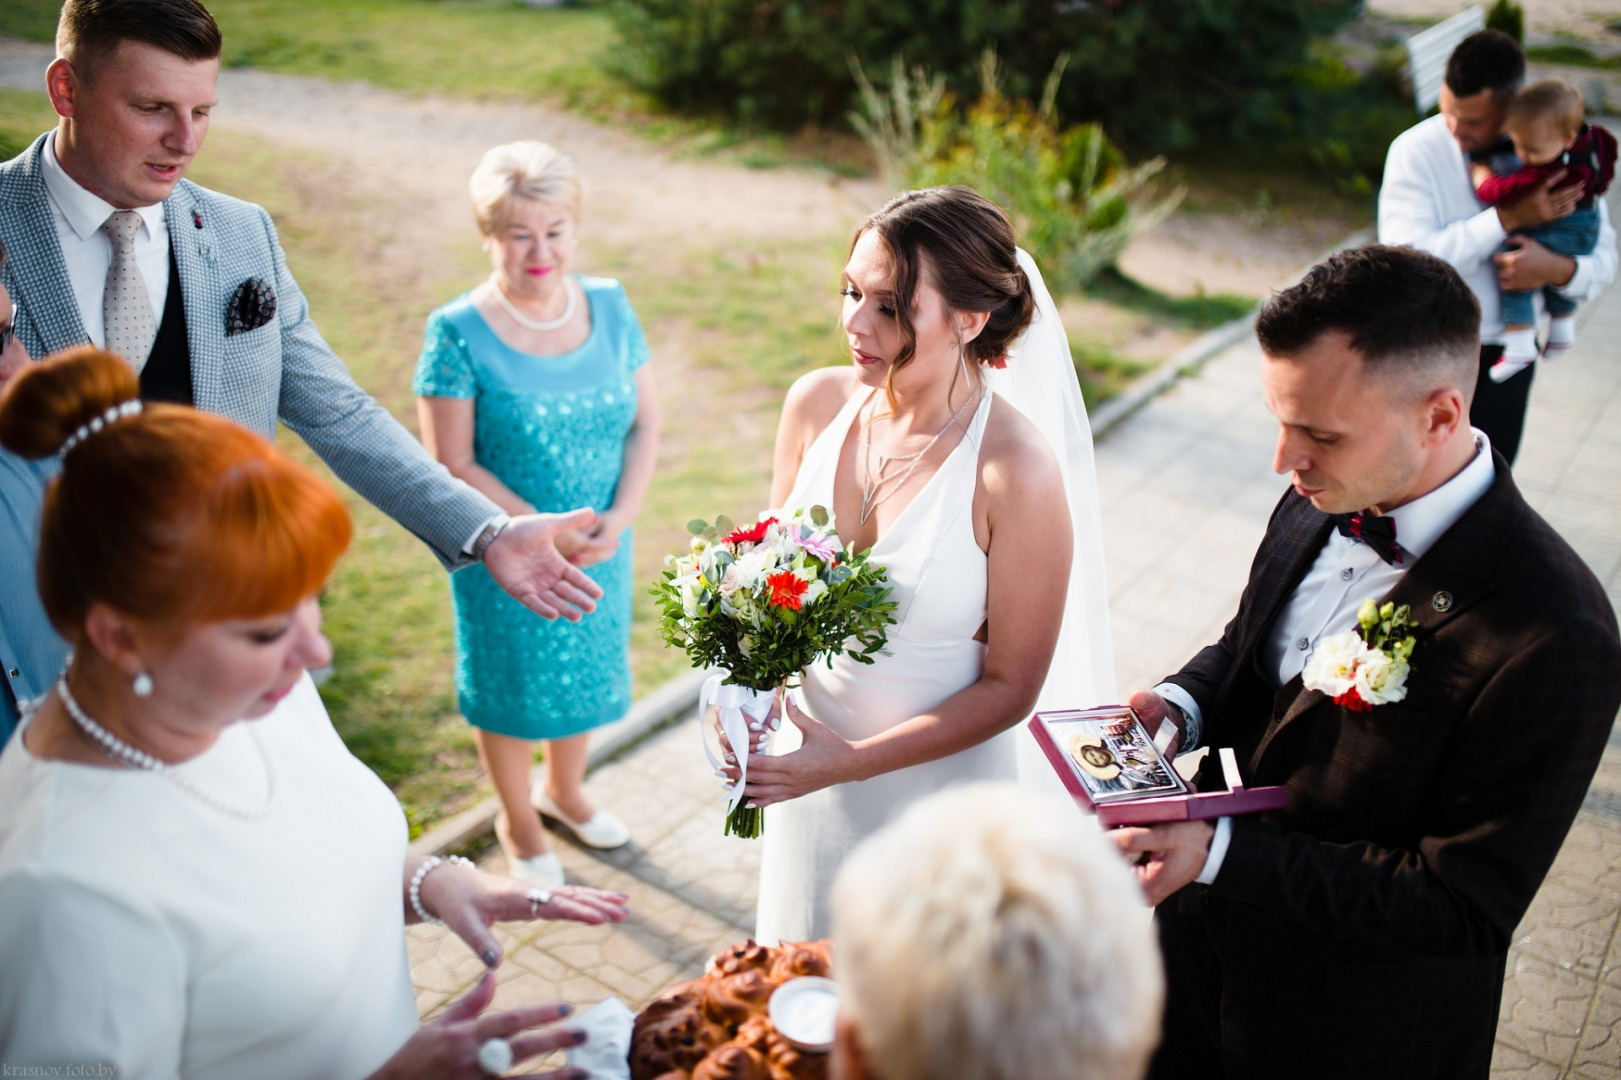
111 245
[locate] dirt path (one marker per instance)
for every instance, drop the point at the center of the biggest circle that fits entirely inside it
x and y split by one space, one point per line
413 155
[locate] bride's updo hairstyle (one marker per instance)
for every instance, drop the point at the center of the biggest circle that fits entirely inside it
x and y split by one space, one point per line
168 515
962 244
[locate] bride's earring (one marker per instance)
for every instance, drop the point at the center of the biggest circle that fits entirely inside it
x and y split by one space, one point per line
142 685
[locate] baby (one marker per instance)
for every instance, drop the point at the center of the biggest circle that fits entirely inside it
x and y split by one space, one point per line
1547 122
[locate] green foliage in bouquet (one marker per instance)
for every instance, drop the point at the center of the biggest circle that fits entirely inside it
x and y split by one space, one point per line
1072 195
765 645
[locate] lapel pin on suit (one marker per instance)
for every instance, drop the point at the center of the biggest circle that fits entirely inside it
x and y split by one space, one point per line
196 217
253 305
1442 601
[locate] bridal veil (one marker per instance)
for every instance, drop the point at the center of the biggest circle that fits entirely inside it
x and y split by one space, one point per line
1040 382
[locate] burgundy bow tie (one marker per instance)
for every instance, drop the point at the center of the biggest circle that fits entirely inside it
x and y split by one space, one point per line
1377 531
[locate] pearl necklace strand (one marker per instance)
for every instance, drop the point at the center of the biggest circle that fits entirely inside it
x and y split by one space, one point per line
116 748
530 324
870 501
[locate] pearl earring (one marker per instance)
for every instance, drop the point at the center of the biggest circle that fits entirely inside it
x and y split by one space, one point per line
142 685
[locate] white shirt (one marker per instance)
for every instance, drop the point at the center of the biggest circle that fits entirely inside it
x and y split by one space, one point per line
1427 202
88 250
1345 573
150 931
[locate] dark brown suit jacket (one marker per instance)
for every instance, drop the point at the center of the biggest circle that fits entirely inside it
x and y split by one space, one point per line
1362 931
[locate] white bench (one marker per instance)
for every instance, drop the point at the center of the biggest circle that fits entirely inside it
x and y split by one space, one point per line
1429 50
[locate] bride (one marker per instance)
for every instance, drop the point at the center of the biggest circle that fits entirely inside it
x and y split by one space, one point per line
955 447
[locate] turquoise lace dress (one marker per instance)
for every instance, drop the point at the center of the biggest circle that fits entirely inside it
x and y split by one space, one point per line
552 428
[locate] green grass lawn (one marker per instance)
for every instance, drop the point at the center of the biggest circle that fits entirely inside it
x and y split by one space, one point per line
475 48
744 324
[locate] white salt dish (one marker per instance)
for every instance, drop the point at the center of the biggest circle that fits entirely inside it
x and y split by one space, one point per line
805 1011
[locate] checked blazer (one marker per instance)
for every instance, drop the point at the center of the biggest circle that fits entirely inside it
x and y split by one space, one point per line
1363 930
283 369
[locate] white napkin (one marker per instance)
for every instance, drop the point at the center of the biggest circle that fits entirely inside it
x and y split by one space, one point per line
605 1054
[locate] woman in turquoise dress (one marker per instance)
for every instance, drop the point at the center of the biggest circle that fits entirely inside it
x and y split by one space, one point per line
534 388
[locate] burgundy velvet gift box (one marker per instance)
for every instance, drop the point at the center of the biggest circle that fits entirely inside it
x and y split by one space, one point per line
1108 762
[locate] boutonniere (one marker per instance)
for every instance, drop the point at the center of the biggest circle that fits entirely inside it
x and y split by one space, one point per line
1367 666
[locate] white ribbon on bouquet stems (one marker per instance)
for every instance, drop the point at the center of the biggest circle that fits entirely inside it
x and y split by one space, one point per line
738 705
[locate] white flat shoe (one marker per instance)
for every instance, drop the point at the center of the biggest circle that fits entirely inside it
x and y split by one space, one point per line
545 869
603 831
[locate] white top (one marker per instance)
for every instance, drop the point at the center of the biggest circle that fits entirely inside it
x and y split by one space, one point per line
1346 573
1427 202
88 251
147 930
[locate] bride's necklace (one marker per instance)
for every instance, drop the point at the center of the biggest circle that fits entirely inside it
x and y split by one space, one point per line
530 324
872 482
117 748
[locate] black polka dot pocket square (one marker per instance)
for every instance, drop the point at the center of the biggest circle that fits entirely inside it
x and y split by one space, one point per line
253 305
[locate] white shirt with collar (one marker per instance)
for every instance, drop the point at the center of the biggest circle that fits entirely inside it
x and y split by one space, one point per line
1427 202
88 250
1345 573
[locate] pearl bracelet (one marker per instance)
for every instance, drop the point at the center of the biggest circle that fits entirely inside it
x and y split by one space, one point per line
431 863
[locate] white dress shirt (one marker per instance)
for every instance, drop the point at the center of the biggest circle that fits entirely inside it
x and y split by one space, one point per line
88 250
1345 573
1427 202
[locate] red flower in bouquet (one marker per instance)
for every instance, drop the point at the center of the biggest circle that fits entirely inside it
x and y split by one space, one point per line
786 589
751 535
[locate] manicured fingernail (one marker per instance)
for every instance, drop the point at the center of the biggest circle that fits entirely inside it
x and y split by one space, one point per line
491 957
577 1037
754 725
565 1009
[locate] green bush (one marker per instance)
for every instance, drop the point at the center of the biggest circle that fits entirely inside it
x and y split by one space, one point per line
1160 75
1507 16
1072 196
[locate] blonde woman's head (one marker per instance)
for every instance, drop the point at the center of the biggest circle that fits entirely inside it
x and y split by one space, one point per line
991 933
526 169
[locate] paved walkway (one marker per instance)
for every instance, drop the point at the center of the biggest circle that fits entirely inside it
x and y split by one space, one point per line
1200 454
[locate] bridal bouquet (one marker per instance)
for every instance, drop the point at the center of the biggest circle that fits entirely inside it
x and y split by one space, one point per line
764 603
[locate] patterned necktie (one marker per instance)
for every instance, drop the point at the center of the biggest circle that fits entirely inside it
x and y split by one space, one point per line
130 325
1377 531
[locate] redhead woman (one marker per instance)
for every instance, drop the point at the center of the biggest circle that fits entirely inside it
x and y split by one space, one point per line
198 879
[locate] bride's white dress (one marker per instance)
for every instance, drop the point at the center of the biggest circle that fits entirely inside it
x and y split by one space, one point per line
939 577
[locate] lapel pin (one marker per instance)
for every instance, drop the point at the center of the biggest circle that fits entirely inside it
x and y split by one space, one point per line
196 217
1442 601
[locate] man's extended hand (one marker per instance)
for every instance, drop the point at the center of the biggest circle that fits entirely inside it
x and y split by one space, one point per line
1166 857
1531 266
1154 710
1543 204
524 561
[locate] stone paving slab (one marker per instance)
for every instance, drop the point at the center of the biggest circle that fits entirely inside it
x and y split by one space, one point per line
1186 486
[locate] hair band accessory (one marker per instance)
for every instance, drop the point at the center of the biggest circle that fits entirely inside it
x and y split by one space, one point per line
129 408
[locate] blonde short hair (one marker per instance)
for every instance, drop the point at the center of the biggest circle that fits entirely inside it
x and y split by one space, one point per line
526 170
991 933
1555 101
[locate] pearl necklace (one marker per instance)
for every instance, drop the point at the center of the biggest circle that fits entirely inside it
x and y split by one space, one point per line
116 748
530 324
870 500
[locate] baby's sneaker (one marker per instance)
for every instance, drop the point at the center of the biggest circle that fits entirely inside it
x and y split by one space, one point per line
1519 353
1561 337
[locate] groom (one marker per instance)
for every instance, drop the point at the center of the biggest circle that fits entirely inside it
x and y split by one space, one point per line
1363 930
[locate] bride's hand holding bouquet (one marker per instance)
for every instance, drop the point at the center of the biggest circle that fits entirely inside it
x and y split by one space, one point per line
764 603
